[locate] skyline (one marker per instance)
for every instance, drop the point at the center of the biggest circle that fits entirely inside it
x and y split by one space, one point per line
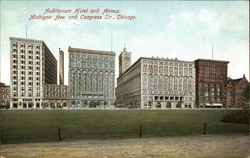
201 24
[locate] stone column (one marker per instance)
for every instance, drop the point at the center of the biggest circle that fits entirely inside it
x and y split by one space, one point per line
164 105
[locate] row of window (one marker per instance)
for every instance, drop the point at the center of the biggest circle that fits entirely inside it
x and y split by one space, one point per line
168 70
23 78
92 57
24 83
23 45
4 96
23 62
23 57
23 73
168 63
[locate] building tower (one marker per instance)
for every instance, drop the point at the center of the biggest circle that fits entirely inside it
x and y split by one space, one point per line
61 67
31 66
124 61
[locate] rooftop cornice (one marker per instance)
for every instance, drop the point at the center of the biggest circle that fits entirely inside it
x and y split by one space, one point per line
90 51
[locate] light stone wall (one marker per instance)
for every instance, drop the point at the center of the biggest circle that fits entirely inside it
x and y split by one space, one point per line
157 83
31 66
91 78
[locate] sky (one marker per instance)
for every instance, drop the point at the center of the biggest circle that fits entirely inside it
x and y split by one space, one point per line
171 29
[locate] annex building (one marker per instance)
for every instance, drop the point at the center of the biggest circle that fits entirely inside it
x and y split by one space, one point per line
157 83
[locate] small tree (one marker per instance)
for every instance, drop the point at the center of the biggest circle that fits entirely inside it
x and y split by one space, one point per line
246 93
178 105
20 103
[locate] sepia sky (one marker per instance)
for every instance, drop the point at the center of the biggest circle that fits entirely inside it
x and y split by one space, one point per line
175 29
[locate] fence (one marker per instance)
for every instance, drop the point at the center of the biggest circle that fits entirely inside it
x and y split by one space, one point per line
61 134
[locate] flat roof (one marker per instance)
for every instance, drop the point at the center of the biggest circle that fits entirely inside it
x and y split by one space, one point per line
91 51
211 60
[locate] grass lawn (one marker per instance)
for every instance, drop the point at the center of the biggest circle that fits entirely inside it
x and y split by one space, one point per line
42 126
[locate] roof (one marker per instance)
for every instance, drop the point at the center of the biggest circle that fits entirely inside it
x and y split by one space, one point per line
210 60
80 50
26 39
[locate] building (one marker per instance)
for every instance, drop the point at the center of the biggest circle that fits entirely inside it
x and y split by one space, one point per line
61 67
31 66
91 78
211 83
234 92
4 96
55 96
157 83
124 61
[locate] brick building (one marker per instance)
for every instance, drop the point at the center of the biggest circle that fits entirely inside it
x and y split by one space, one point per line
4 96
55 96
211 83
234 91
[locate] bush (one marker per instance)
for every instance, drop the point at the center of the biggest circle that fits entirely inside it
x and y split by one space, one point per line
239 116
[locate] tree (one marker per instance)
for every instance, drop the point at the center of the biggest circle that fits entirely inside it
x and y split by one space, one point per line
178 105
246 93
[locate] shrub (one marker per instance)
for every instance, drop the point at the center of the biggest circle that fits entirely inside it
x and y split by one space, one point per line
239 116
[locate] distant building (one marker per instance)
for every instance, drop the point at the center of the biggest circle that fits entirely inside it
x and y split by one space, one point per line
124 61
55 96
211 83
4 96
31 66
91 78
234 92
157 83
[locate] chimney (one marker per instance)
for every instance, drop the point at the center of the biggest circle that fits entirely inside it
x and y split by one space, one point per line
61 67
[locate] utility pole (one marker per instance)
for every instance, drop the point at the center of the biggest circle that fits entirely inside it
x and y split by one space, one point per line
212 51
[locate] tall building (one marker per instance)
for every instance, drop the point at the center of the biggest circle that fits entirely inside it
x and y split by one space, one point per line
235 88
31 66
157 83
211 83
91 78
4 96
124 61
61 67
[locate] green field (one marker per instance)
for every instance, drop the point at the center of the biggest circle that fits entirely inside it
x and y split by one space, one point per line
42 126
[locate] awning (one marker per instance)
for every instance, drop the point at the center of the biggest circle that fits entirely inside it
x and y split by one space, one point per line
214 104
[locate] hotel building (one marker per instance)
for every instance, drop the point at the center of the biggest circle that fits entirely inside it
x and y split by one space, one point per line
91 78
157 83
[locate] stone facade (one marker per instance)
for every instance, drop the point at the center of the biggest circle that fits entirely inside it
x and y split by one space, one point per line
157 83
211 83
31 66
4 96
234 92
55 96
91 78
